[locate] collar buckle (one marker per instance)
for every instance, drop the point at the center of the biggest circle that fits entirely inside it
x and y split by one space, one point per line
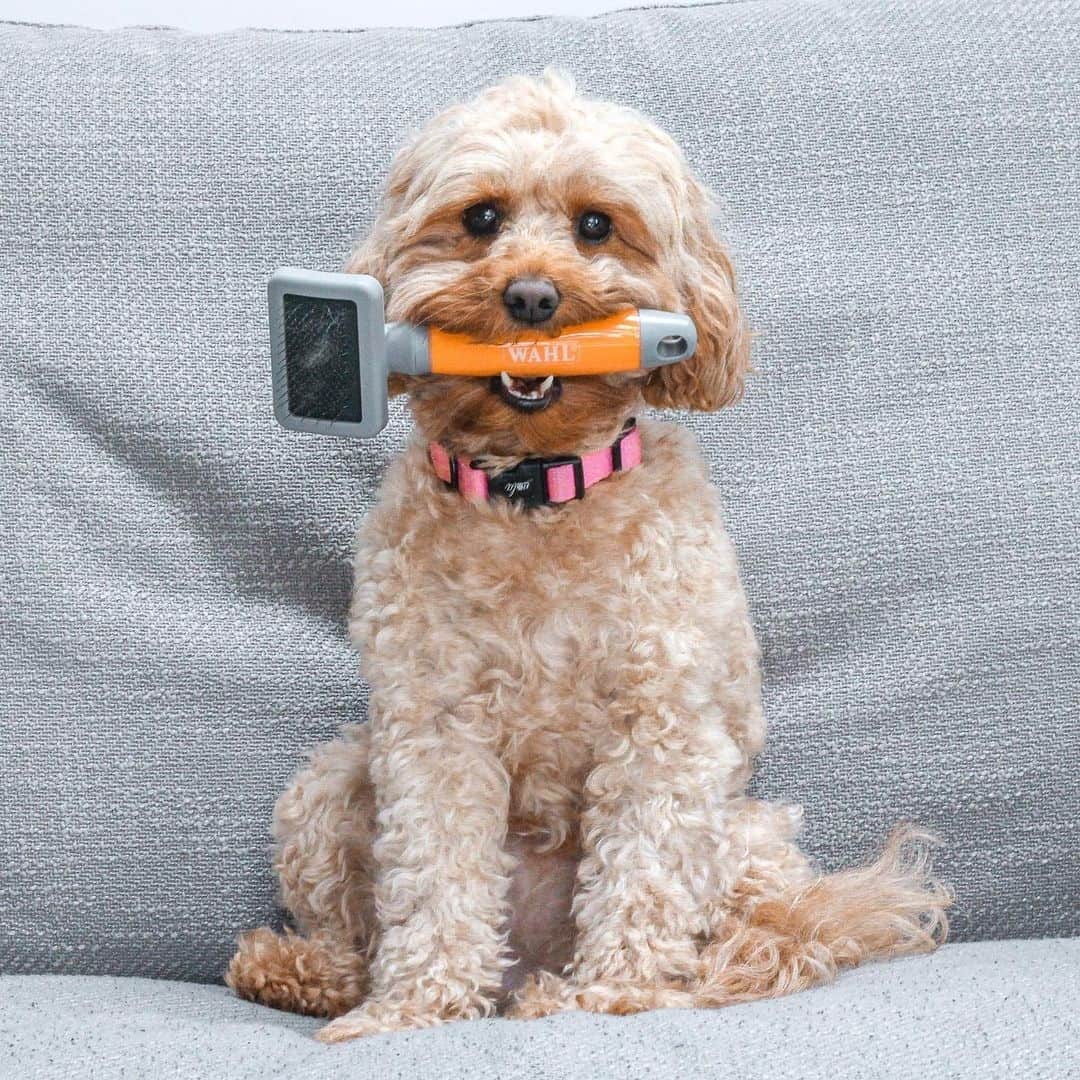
525 484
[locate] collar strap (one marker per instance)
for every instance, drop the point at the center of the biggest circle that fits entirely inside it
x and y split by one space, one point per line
540 481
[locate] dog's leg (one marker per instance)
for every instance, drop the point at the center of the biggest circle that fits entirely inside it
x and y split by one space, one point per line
653 840
442 877
323 824
315 975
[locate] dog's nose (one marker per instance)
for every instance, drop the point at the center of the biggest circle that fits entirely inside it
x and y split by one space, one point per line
531 299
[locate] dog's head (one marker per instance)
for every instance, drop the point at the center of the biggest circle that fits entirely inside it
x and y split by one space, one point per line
527 211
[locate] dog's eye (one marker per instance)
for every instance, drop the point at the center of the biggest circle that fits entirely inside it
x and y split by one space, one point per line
594 226
483 219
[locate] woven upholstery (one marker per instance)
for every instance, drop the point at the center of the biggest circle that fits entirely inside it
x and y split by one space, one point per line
899 189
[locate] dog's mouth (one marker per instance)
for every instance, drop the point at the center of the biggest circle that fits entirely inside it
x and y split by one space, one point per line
526 394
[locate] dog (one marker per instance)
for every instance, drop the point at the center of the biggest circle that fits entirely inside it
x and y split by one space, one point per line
547 808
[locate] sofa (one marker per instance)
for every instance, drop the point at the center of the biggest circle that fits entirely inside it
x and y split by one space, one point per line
897 180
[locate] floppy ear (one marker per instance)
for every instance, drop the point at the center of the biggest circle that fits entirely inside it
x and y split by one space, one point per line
714 375
369 257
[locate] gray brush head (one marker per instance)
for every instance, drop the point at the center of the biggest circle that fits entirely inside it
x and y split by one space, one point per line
328 352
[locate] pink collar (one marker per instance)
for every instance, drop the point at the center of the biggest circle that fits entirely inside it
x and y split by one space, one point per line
540 481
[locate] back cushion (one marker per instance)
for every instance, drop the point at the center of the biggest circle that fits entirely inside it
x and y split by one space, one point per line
898 188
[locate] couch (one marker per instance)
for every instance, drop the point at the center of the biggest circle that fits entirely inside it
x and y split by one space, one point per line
898 183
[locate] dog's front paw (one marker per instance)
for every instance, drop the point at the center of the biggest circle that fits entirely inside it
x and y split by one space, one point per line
378 1017
545 994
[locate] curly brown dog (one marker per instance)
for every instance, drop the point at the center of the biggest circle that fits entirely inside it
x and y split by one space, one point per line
547 809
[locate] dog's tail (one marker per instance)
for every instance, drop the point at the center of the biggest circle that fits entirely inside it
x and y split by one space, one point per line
803 936
298 974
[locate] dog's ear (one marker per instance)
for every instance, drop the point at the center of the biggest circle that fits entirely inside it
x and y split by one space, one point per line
715 374
368 257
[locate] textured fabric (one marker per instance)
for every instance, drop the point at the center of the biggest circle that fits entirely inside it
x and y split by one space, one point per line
988 1009
899 190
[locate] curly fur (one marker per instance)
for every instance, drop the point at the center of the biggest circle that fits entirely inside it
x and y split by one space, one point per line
547 809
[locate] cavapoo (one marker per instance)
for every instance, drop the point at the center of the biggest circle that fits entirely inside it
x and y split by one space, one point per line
547 809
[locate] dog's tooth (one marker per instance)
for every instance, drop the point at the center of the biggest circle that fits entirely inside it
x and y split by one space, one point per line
506 380
545 386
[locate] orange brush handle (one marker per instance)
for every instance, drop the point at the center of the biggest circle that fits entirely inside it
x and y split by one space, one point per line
593 348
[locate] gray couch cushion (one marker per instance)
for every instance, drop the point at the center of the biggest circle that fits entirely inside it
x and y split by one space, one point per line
899 181
986 1009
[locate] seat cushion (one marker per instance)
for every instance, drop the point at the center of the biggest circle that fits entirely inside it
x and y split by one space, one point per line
1003 1009
898 189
